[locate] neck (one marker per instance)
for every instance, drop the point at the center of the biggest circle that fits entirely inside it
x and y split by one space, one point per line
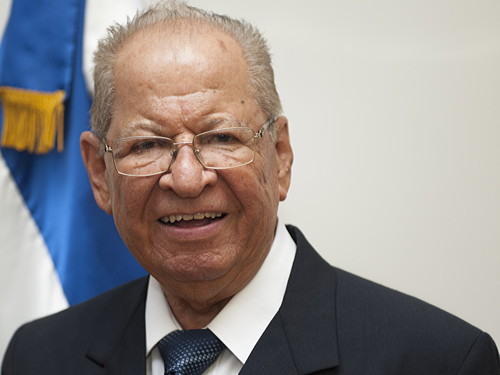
194 315
195 305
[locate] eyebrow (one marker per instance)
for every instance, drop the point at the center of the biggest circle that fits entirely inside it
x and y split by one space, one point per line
153 127
131 130
213 123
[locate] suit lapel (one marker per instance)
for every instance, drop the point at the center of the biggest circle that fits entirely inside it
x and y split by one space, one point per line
121 343
272 354
302 337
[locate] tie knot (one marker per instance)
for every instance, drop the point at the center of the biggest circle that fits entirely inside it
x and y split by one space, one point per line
189 352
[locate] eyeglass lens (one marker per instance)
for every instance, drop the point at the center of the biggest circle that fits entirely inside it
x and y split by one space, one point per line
218 149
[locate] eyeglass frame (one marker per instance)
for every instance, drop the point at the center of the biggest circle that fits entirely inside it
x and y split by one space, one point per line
257 134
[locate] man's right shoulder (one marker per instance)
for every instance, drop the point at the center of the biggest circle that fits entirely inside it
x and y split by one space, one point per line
65 336
118 299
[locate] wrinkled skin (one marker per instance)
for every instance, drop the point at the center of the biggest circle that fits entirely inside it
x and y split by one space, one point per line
177 86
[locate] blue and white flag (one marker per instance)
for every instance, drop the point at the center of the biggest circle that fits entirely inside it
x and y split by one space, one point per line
57 248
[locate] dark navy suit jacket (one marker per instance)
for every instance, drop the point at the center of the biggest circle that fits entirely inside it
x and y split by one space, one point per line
330 322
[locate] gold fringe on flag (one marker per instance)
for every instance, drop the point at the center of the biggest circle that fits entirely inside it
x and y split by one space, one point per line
32 119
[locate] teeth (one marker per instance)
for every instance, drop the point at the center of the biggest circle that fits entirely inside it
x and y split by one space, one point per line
189 217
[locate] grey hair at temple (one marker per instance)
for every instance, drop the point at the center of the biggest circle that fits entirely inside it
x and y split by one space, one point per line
251 41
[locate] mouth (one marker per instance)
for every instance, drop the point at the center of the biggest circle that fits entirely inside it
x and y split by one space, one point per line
192 220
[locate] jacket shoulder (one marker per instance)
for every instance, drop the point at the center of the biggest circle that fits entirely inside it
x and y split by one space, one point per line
384 323
59 341
382 331
97 308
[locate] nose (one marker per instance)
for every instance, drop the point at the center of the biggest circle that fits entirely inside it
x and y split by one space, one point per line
186 176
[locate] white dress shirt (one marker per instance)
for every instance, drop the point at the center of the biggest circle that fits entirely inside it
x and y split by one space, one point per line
240 323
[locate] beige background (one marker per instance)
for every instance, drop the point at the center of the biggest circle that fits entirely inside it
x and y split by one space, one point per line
394 110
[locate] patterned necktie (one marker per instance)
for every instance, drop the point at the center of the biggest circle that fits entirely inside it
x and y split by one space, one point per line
189 352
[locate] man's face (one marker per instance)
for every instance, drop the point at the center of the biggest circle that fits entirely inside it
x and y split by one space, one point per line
178 87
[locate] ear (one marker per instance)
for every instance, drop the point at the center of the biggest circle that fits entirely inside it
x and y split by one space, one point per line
284 156
95 164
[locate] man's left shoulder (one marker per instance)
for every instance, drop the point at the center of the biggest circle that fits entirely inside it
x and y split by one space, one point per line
384 320
383 331
391 307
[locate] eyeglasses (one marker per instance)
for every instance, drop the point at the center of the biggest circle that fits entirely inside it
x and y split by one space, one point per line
223 148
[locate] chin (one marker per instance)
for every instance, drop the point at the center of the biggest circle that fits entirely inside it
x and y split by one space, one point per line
195 268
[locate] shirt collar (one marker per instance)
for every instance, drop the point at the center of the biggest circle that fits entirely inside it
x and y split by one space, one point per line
246 316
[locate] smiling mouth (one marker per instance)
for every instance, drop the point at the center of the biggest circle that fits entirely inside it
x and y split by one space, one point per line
192 220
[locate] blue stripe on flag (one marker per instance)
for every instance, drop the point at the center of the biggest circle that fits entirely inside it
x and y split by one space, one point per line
88 254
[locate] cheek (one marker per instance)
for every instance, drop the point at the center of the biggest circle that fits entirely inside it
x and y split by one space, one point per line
128 201
129 208
260 189
268 176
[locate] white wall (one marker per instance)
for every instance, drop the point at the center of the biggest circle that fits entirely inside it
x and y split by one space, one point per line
394 110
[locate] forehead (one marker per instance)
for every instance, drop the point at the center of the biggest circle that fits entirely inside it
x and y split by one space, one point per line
179 68
179 50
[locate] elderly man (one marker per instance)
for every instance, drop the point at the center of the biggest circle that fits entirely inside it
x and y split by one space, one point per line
190 154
